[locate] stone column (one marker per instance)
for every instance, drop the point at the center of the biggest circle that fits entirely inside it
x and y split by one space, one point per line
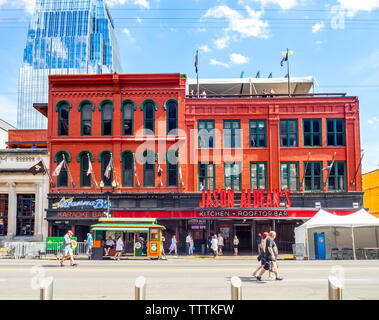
38 215
12 210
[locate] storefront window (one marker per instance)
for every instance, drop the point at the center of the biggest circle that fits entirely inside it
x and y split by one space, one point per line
206 176
288 133
289 176
105 159
257 133
172 117
313 176
205 131
232 134
312 132
3 214
86 110
258 175
335 132
172 168
64 113
337 176
85 180
127 158
127 118
25 214
107 119
149 158
232 175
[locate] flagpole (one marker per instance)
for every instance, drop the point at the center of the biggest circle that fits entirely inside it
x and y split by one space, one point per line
93 173
51 179
306 167
135 171
288 71
353 181
115 175
68 170
197 73
328 173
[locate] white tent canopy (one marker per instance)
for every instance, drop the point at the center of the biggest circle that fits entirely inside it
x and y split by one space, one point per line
339 231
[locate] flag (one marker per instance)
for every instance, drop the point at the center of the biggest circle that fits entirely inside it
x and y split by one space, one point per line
329 167
57 170
107 172
37 168
285 58
135 171
159 170
90 169
180 175
197 61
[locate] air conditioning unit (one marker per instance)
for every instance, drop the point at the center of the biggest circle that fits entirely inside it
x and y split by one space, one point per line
318 205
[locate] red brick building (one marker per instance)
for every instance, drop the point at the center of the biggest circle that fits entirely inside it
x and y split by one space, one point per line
227 160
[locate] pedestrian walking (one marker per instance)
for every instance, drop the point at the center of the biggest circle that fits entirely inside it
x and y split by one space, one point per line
259 243
191 246
271 256
236 242
220 240
163 254
67 248
214 246
188 244
119 248
89 244
173 246
261 255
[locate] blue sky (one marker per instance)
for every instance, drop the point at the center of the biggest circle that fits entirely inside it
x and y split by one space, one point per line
336 41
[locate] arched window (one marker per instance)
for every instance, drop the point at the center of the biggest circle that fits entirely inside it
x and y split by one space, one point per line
106 109
148 159
63 109
128 108
149 107
127 159
171 107
84 157
62 180
86 108
172 168
105 158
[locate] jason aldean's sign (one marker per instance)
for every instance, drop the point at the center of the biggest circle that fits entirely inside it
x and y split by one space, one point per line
261 198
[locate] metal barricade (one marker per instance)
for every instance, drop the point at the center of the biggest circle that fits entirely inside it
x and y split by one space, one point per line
19 250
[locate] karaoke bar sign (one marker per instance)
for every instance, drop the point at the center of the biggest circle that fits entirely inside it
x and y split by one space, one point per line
249 198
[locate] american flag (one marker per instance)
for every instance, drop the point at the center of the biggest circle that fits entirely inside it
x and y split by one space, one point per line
107 172
57 170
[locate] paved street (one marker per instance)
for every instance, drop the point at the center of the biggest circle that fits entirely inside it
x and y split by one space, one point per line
192 278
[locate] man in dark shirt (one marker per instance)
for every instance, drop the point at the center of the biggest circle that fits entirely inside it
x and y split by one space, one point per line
271 255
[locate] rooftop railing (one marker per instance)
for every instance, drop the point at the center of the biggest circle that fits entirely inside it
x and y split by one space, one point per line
267 95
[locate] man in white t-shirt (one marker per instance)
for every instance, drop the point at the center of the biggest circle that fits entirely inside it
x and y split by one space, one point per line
220 240
119 248
188 244
214 246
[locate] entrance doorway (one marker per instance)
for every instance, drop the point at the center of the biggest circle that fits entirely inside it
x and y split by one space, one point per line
243 233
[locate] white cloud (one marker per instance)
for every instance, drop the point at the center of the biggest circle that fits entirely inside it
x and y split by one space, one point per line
205 48
373 122
320 42
139 20
238 58
140 3
318 27
222 42
283 4
219 63
127 32
353 6
238 25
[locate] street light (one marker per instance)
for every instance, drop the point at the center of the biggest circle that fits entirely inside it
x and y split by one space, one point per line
114 185
101 185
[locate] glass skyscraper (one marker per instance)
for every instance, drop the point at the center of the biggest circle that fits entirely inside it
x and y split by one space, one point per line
64 37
